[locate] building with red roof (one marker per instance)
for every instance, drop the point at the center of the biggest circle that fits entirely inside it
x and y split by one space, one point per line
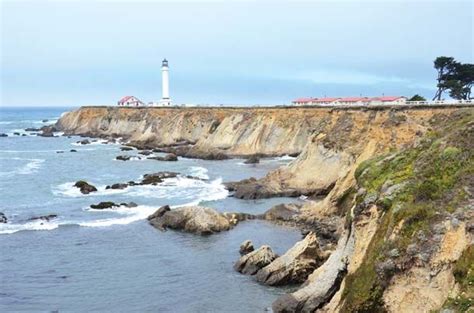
130 101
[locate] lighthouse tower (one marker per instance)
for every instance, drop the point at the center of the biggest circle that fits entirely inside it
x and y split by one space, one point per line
165 84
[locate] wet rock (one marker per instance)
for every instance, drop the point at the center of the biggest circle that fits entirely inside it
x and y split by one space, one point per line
145 152
234 218
31 129
60 151
24 135
192 219
73 150
253 262
169 157
295 265
3 135
16 134
3 218
156 178
45 121
251 188
117 186
129 205
85 187
46 218
84 142
253 159
123 157
246 247
126 148
47 131
282 212
104 205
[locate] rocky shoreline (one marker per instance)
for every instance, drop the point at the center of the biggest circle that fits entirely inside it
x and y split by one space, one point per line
385 221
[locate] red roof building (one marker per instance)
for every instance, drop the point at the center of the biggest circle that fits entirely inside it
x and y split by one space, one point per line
130 101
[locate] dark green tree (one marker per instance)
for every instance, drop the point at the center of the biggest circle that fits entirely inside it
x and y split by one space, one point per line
455 77
445 67
417 97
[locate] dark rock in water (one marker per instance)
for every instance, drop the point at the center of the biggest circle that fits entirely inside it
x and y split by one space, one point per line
145 152
123 157
117 186
47 131
31 129
85 187
192 219
254 159
16 134
104 205
294 155
43 217
44 121
156 178
84 142
24 135
3 135
73 150
246 247
282 212
126 148
253 189
3 218
168 157
251 263
60 151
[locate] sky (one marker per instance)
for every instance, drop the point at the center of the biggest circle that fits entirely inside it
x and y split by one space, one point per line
71 53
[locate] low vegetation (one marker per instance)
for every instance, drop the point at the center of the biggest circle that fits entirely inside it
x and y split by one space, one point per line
415 190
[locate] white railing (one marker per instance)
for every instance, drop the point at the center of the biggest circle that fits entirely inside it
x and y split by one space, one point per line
380 103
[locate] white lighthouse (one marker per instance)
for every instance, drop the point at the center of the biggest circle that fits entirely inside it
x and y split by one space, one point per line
165 84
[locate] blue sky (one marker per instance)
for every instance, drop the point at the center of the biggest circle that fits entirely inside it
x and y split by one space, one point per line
61 53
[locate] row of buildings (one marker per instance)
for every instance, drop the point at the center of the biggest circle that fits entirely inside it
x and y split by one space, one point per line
384 100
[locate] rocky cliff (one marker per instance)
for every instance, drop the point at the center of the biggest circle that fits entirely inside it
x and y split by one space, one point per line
396 217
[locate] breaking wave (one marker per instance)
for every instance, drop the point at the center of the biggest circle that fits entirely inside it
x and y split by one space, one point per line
29 168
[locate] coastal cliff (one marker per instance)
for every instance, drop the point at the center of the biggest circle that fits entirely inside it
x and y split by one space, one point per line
397 186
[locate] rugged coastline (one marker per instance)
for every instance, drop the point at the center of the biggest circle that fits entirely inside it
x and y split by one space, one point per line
365 164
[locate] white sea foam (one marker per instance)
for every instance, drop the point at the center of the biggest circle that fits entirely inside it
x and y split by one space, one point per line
199 172
285 158
31 167
129 215
10 228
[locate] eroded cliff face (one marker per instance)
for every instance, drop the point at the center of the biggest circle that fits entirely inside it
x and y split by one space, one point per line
398 186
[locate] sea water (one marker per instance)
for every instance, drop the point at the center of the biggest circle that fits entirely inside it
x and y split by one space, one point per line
111 260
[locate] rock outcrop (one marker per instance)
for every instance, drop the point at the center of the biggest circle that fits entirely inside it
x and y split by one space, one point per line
3 218
295 265
85 187
192 219
252 262
246 247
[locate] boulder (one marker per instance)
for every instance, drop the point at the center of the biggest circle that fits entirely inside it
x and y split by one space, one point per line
84 142
73 150
60 151
24 135
31 129
129 205
123 157
295 265
282 212
156 178
253 262
104 205
159 213
3 135
253 159
16 134
145 152
246 247
117 186
3 218
168 157
85 187
192 219
47 131
44 121
126 148
46 218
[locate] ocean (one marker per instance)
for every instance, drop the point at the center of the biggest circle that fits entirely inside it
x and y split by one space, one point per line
111 260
